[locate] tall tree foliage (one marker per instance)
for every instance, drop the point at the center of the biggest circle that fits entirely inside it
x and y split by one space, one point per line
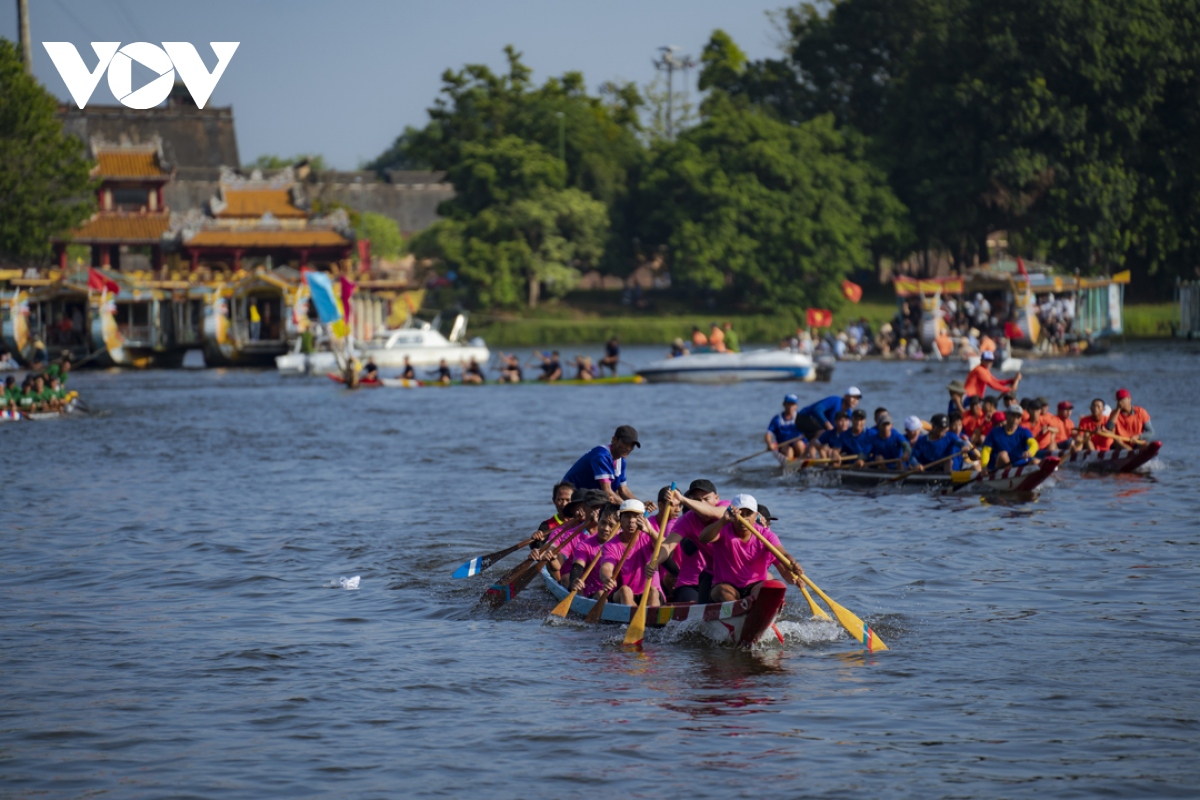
44 185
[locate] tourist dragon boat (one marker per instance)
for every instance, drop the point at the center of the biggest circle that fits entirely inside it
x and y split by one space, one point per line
750 365
1111 460
741 622
1027 478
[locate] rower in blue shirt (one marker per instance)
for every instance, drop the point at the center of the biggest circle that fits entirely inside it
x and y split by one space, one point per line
1012 445
783 437
819 416
940 443
886 445
603 467
830 442
855 441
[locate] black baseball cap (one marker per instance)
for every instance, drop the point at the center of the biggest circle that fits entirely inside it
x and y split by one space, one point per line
858 413
595 498
701 486
939 421
628 434
765 513
974 401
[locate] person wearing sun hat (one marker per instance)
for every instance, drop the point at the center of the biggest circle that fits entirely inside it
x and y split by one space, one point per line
957 394
783 437
1129 422
739 558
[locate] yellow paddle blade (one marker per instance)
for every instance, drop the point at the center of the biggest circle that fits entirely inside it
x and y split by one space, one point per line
817 611
563 606
637 626
961 475
853 625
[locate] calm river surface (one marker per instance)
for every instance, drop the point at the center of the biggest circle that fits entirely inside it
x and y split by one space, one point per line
168 625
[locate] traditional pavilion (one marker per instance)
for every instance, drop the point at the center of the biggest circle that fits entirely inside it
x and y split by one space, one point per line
131 214
260 218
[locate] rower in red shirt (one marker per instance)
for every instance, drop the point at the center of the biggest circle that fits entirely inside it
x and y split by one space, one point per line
981 378
1066 426
1092 423
1130 422
973 419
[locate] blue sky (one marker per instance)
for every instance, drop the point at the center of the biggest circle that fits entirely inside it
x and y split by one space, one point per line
344 78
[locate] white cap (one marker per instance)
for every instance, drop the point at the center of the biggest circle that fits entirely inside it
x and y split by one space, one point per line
987 355
853 392
636 506
744 501
912 424
1107 410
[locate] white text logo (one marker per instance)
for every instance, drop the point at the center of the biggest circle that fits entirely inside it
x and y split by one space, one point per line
163 61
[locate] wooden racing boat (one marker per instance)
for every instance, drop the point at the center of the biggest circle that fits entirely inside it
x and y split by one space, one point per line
1027 478
742 622
1111 460
408 383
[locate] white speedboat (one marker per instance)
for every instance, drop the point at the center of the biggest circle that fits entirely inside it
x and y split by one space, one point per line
753 365
424 345
296 362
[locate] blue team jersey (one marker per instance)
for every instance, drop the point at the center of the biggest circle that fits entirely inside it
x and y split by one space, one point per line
784 430
858 445
594 466
1015 444
927 450
832 438
894 446
824 410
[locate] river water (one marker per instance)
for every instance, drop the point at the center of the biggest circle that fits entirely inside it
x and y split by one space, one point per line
169 627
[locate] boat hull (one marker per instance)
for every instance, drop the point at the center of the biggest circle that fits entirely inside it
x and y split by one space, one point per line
1028 478
743 622
425 356
757 365
1112 460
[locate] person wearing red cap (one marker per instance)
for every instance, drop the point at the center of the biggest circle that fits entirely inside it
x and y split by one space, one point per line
1130 422
982 378
1066 426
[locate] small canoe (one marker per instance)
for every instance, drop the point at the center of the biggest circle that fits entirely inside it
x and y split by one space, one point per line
1026 478
363 382
1111 460
741 622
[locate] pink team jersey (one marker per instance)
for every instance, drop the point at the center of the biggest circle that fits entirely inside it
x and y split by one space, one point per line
741 563
583 550
689 526
633 573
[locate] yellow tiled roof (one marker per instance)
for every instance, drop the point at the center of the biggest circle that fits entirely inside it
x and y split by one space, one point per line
122 228
256 202
250 239
117 164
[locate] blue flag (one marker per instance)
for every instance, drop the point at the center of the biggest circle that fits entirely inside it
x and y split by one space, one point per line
321 289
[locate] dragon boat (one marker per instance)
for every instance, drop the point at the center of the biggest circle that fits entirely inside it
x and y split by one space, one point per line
741 622
1026 478
409 383
1111 460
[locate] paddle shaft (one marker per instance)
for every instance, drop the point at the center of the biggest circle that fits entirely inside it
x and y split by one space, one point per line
491 558
598 610
564 606
782 560
519 576
937 463
762 452
637 625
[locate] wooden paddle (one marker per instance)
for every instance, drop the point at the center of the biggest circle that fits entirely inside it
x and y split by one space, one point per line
519 576
598 610
937 463
637 626
817 611
761 452
480 563
1123 439
564 605
853 625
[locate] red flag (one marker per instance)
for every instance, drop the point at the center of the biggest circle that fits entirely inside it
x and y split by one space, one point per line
819 317
852 291
364 254
1021 268
98 282
347 286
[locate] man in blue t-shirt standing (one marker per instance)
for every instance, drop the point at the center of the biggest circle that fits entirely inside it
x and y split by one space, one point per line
603 467
812 420
783 437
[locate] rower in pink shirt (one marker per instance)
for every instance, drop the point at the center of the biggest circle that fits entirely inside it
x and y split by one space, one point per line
739 558
585 548
668 569
702 505
638 535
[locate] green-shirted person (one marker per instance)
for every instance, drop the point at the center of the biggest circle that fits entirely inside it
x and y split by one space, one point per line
25 403
10 395
731 339
58 394
60 369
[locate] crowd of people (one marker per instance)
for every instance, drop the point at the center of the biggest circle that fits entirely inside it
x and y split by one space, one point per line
721 338
601 542
42 390
978 431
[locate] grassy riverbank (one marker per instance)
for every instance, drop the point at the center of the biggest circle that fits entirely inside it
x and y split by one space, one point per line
1149 320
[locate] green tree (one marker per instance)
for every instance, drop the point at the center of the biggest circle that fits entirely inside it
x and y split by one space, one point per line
776 214
514 229
45 189
384 233
315 162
